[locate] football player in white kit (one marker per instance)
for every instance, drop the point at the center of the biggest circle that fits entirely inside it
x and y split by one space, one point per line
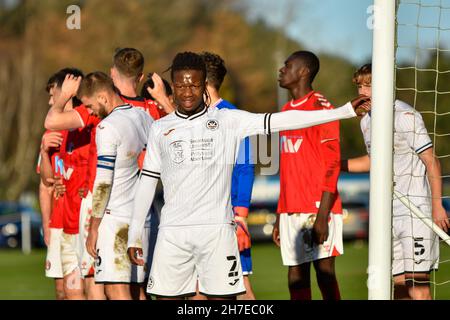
417 174
193 151
120 138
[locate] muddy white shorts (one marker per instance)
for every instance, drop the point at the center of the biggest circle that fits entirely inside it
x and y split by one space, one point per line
87 261
415 246
296 239
112 264
69 253
53 264
184 255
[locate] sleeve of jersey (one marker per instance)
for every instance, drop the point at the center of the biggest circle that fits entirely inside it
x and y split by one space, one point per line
243 176
331 155
252 124
107 142
84 115
411 125
145 191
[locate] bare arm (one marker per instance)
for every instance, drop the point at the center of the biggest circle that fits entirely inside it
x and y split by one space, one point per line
45 202
49 140
434 179
356 165
57 118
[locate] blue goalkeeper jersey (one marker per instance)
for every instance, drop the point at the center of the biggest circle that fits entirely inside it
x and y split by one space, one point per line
243 172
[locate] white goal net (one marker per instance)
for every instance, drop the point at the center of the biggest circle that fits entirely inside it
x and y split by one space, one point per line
422 79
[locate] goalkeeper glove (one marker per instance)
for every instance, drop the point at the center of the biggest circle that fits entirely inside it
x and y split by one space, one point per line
243 236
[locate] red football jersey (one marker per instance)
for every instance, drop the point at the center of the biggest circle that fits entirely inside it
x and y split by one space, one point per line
90 120
56 216
309 161
75 154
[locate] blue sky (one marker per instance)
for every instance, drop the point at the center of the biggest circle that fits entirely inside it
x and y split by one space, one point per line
340 26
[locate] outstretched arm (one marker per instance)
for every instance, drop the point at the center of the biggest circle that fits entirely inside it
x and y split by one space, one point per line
356 165
249 124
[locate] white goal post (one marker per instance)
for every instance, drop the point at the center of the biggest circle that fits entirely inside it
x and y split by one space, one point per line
381 185
425 219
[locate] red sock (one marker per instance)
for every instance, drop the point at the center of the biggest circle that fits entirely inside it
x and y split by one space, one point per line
300 294
330 290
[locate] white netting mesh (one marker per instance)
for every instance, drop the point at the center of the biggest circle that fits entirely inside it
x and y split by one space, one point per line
423 81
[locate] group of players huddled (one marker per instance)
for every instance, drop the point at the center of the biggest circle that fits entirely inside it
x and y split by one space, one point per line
106 147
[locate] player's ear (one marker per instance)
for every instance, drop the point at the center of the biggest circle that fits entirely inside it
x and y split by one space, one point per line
112 72
140 78
102 98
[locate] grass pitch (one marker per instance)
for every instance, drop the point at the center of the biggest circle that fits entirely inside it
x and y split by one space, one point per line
22 277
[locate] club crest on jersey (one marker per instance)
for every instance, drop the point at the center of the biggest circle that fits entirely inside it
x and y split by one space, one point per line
178 151
212 124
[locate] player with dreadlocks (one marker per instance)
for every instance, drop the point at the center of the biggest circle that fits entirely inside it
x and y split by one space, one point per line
193 150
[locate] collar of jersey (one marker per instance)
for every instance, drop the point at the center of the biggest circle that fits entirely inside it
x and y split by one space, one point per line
298 102
194 116
122 107
126 98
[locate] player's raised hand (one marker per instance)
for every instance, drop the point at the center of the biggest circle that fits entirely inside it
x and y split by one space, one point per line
159 90
276 231
243 236
70 86
51 140
361 105
135 255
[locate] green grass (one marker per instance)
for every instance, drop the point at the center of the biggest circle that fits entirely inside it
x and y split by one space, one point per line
22 277
269 279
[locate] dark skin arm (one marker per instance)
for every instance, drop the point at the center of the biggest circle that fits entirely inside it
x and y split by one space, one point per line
320 228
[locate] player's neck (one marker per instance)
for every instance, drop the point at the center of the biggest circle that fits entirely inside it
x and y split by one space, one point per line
126 88
117 102
301 90
213 95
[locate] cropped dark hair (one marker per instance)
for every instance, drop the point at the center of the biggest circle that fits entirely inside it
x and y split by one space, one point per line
188 61
215 69
57 79
311 62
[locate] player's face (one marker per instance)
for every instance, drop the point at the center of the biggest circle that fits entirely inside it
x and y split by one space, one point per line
98 108
54 93
289 73
188 89
365 89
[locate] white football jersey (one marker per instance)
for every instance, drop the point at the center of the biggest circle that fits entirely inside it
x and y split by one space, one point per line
120 138
194 156
410 139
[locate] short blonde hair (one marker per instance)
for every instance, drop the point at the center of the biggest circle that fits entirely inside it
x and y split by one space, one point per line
363 75
95 82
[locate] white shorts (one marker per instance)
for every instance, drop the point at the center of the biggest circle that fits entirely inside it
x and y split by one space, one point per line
296 238
53 264
69 253
86 260
112 264
208 254
415 246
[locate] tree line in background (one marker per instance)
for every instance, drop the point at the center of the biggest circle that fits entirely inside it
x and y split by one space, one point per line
35 43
